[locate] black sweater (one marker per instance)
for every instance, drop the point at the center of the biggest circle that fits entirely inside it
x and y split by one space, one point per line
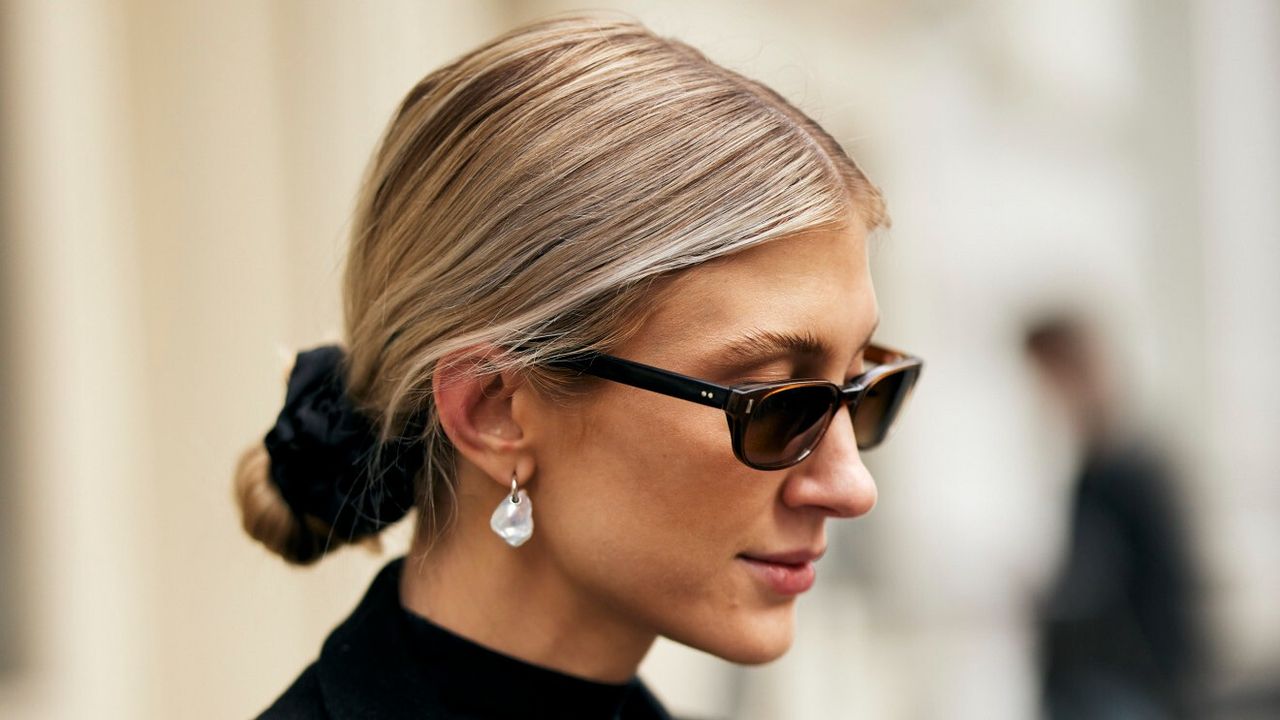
387 662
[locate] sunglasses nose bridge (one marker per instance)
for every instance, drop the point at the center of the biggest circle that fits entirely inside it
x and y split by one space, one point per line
850 397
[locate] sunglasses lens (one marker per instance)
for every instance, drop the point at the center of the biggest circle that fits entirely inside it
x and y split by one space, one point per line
881 405
788 422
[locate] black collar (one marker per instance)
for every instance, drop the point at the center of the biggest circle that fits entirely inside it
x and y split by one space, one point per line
387 662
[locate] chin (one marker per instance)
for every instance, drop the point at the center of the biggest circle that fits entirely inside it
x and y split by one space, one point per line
754 639
756 653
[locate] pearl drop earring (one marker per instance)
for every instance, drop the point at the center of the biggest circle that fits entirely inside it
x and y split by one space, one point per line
512 520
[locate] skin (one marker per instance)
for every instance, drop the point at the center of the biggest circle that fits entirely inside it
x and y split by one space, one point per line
640 507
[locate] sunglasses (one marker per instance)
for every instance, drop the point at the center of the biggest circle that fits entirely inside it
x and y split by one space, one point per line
774 425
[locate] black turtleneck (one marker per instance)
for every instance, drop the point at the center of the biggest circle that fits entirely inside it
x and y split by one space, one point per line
385 661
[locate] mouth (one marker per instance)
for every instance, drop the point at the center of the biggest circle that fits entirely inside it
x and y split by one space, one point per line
788 574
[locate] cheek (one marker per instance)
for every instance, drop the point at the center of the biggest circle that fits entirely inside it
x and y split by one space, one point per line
646 508
649 485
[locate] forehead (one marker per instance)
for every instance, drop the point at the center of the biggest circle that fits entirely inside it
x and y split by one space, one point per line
816 283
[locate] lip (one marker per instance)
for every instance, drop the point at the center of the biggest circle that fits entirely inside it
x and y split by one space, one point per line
789 573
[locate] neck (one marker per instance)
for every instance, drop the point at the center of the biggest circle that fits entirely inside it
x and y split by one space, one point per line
514 600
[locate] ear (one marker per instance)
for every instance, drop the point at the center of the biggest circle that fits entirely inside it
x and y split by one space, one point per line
474 403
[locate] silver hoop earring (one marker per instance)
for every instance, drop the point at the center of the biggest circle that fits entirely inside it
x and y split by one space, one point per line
512 520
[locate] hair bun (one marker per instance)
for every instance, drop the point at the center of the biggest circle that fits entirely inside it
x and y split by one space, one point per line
323 457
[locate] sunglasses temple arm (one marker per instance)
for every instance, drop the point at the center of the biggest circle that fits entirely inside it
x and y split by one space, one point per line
647 377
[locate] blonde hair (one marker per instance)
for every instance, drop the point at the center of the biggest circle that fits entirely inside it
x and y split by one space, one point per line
540 188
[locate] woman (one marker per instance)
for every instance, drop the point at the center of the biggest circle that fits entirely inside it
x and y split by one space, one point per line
608 314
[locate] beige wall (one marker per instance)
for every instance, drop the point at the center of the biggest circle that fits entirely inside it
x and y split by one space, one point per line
184 172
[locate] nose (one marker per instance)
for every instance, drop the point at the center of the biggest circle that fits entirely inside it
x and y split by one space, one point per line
833 478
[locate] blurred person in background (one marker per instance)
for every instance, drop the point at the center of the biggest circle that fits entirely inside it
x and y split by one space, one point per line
597 281
1120 636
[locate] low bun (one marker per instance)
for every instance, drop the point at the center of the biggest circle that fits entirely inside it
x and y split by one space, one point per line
266 516
320 477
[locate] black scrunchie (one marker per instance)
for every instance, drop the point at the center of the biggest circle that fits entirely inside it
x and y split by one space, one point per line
321 447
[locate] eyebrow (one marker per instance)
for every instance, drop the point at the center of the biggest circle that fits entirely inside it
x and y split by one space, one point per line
758 346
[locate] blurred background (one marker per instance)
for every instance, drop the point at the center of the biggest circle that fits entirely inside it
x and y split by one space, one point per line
1080 516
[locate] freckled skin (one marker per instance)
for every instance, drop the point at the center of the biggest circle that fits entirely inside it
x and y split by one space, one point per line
640 506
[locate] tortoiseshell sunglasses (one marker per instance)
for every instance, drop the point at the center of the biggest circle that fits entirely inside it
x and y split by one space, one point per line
774 425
